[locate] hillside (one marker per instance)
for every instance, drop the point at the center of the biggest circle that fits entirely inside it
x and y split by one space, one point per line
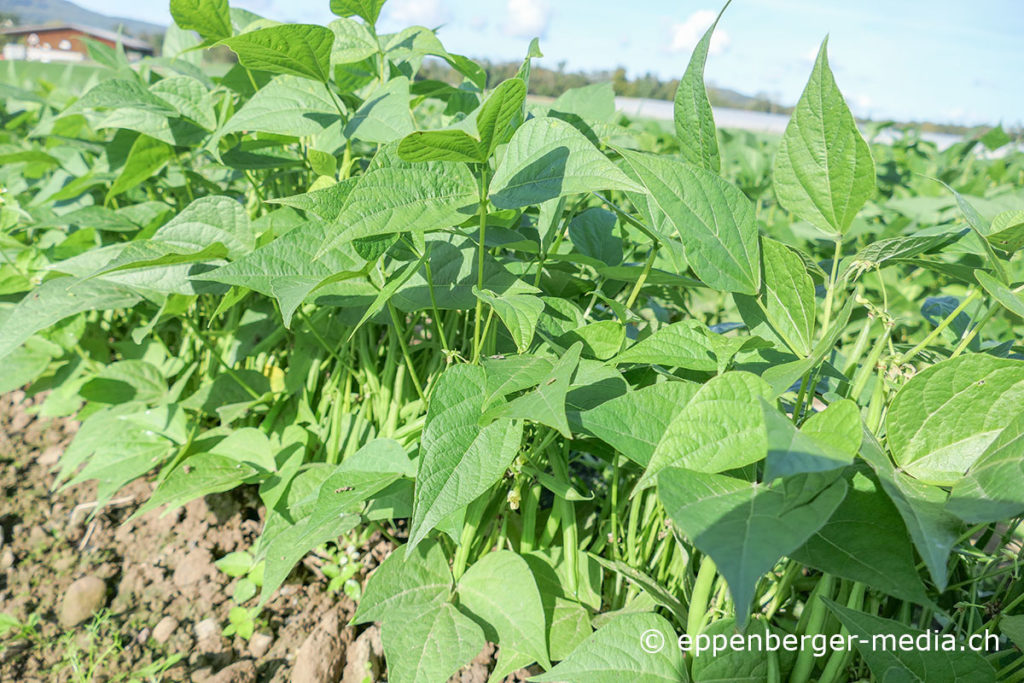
46 11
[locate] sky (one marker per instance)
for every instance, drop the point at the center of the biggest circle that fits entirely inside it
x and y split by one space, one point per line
948 61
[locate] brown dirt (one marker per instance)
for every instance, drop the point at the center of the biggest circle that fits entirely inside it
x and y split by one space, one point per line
155 567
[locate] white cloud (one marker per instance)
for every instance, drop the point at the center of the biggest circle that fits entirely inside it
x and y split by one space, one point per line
429 13
527 18
685 35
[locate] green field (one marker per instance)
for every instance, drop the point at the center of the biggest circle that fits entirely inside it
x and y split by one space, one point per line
600 382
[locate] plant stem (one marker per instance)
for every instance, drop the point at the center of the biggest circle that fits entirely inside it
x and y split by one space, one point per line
860 380
643 276
405 351
481 251
946 322
830 291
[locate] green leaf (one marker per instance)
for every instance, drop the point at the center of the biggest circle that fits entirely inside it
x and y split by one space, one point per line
713 219
440 145
297 49
405 584
1009 299
865 540
1007 231
546 404
120 444
592 233
235 564
993 489
614 654
120 93
512 618
744 526
684 344
353 42
519 312
210 18
55 300
823 168
208 221
288 268
430 646
749 666
384 115
146 158
459 459
943 419
366 9
405 197
789 295
721 428
124 381
287 105
695 123
199 475
189 98
933 529
828 440
548 158
635 422
290 545
876 640
499 113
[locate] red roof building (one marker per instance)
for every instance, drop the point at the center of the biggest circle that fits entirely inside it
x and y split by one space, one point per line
65 43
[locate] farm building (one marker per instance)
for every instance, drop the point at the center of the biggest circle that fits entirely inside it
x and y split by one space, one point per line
64 43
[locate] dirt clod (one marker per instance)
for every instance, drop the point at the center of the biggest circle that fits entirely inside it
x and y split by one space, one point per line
319 659
82 599
239 672
363 657
164 629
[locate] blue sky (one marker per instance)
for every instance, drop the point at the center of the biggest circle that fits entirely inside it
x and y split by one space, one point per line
940 60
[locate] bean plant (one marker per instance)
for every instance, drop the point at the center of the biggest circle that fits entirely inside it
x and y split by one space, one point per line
593 377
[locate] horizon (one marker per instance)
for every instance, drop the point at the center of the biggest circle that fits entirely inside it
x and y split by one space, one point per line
939 62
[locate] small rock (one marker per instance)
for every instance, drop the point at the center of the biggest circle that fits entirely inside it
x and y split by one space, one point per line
7 559
164 629
207 629
50 456
195 566
143 636
319 658
82 599
259 644
239 672
202 675
20 421
363 657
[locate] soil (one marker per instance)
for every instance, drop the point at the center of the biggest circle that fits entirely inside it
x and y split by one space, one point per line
165 604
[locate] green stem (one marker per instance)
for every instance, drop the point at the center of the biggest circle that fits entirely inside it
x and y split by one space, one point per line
215 352
974 331
405 350
643 276
830 292
860 380
481 251
946 322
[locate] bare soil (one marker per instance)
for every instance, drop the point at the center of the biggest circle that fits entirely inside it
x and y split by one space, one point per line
158 567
